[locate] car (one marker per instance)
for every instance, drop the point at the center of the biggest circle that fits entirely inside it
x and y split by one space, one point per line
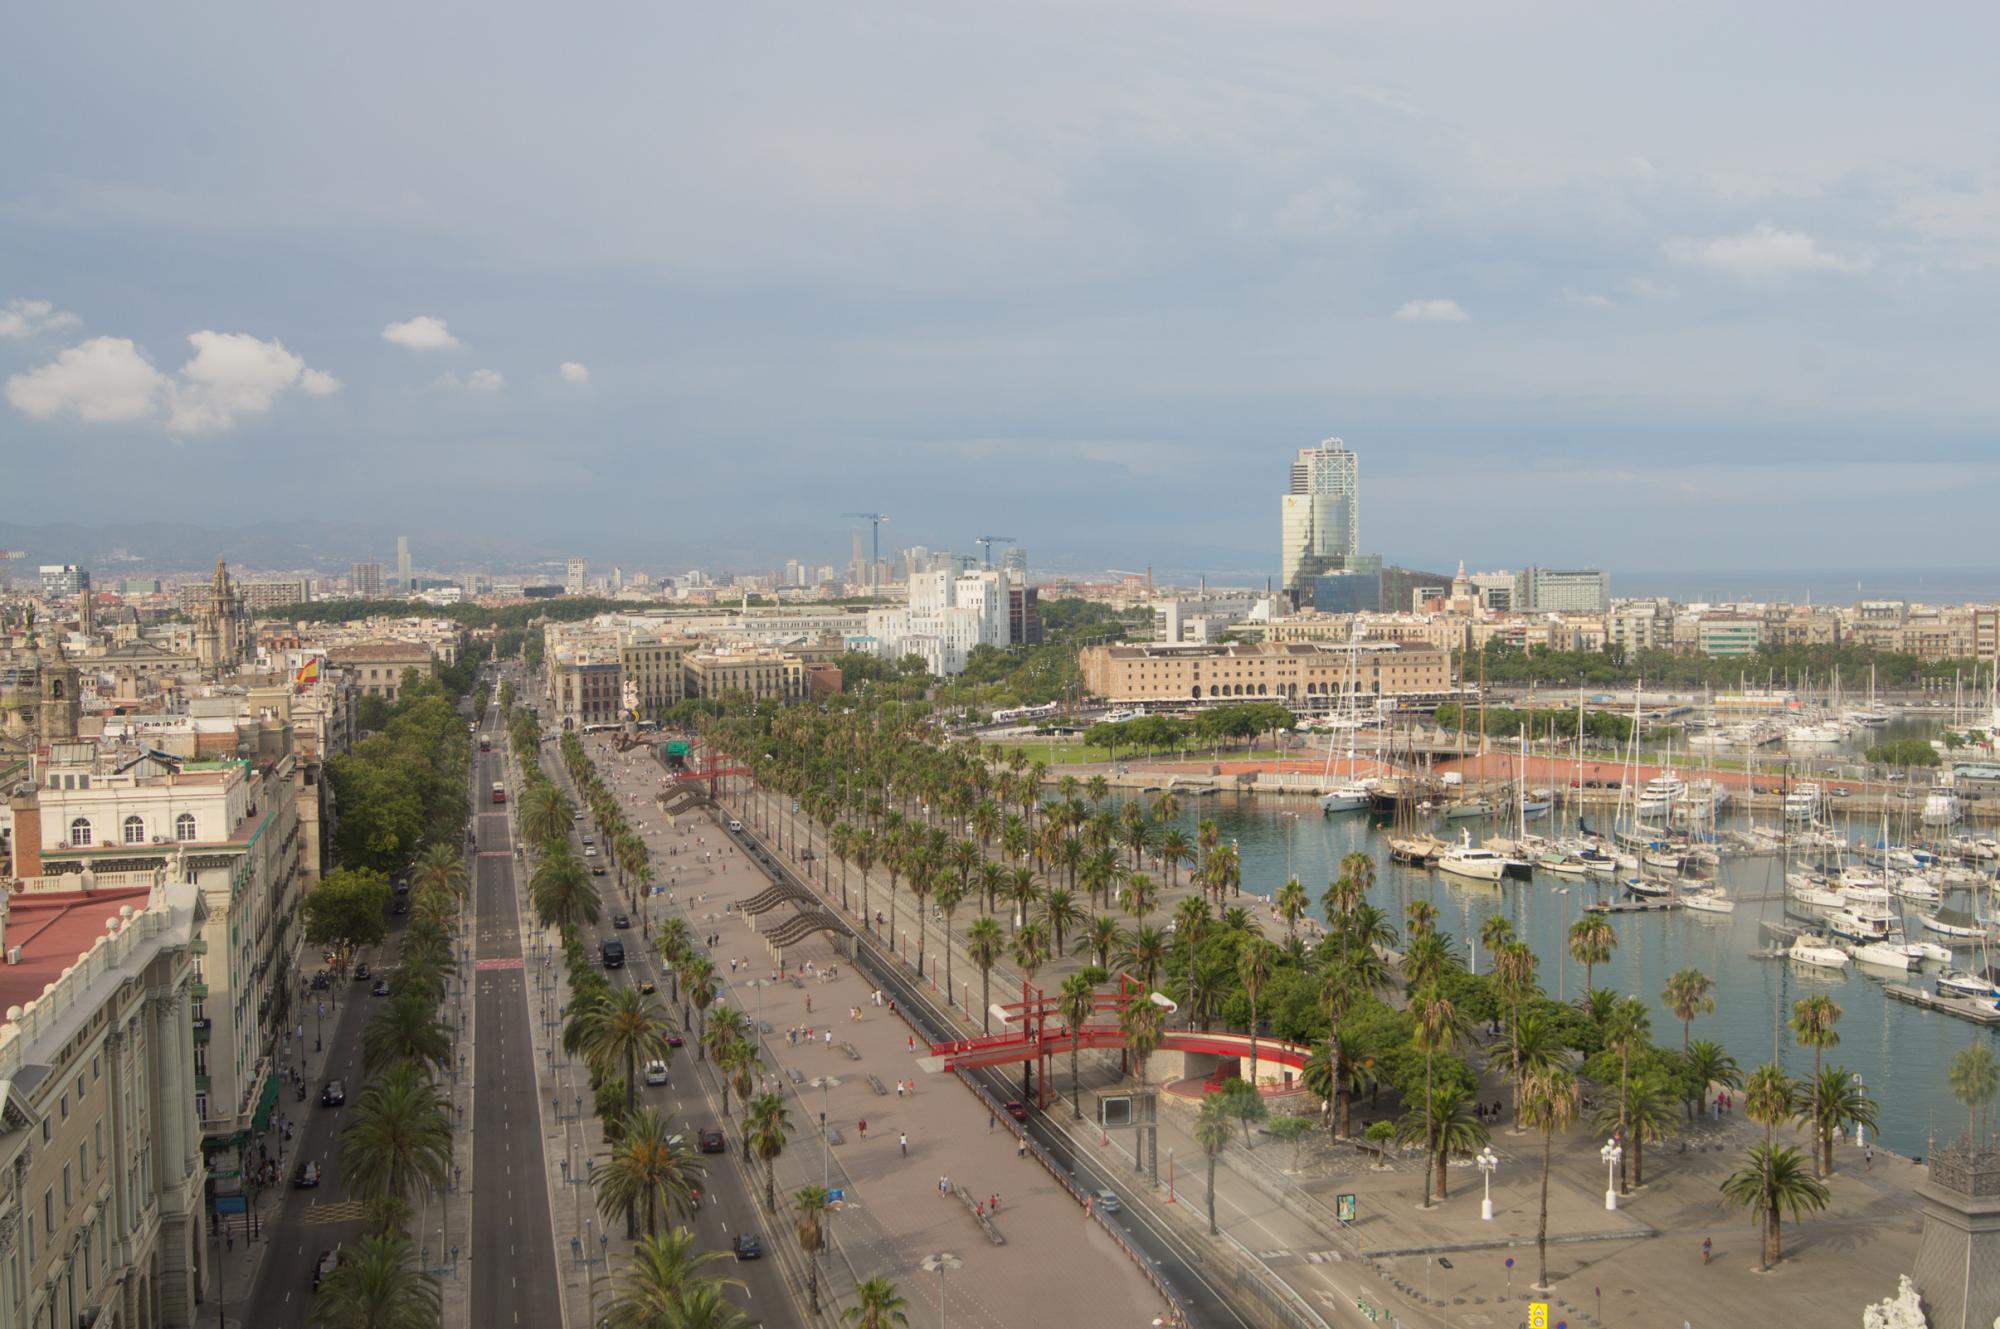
1107 1202
613 954
806 855
589 849
381 988
597 869
647 987
620 921
576 815
361 973
319 982
307 1176
402 885
747 1246
709 1140
333 1095
675 1040
1017 1110
656 1072
735 825
328 1262
401 907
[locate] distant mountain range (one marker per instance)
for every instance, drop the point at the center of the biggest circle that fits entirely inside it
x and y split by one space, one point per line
128 549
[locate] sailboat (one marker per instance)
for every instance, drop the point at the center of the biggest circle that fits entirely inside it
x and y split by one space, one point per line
1354 795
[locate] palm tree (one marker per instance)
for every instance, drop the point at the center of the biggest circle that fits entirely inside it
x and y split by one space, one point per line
1627 1031
1211 1132
1439 1028
1021 890
1770 1097
808 1205
1772 1182
1062 913
766 1125
378 1286
1139 895
1513 978
1097 788
1689 993
1253 968
1144 951
562 892
876 1306
628 1029
545 813
661 1270
439 868
1591 941
949 896
1141 1022
399 1138
648 1173
1707 1064
1175 848
703 1306
1444 1126
406 1030
700 973
1644 1111
1076 1001
1548 1104
1974 1079
1813 1024
983 944
1421 916
1100 939
1292 905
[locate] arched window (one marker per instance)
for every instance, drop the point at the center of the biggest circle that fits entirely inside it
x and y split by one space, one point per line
79 831
184 826
135 829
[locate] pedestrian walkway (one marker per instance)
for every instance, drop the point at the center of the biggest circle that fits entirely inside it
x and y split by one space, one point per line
1053 1260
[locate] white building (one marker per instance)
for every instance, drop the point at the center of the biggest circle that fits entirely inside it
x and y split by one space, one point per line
1562 591
1204 619
946 617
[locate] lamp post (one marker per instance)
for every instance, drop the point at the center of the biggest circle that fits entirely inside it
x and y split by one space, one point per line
1860 1127
1611 1153
1487 1160
938 1263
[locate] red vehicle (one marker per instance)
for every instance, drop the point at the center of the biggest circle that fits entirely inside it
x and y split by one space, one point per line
485 743
499 792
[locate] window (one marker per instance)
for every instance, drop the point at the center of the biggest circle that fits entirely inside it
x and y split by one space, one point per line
79 831
201 1107
135 830
69 1191
184 826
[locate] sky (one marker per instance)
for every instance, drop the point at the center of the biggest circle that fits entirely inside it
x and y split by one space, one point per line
1667 287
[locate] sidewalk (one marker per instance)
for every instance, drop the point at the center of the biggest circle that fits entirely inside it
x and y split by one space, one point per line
1034 1264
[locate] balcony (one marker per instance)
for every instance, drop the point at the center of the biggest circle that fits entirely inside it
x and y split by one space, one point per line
202 1033
201 1084
198 991
199 946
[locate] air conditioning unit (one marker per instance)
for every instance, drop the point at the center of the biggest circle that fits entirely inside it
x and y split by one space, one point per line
13 955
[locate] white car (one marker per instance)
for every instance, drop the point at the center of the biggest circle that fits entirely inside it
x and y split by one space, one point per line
656 1072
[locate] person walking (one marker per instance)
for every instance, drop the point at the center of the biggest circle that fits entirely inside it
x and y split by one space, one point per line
903 1138
1707 1249
863 1128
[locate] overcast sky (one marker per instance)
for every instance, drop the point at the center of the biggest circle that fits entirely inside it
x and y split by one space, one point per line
1653 287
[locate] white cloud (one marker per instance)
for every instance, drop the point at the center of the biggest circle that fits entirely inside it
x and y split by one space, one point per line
479 380
1432 311
106 380
1761 251
572 372
422 333
21 319
1587 299
109 380
232 374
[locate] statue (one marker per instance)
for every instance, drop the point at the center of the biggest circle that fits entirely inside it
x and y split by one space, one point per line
1905 1310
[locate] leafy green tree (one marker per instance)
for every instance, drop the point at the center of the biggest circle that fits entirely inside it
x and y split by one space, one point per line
1293 1131
347 909
1773 1182
1244 1104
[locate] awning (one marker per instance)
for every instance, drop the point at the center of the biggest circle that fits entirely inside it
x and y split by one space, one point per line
266 1101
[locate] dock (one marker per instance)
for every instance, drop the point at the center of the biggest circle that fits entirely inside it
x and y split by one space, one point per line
1965 1008
1631 906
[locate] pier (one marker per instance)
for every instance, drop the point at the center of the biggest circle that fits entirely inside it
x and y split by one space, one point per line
1965 1008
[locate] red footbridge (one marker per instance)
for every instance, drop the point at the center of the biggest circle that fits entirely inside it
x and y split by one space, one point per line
1039 1034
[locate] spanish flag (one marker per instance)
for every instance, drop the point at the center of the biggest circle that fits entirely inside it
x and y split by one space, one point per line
308 674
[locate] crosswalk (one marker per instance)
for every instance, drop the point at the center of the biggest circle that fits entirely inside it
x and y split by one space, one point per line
340 1211
1282 1254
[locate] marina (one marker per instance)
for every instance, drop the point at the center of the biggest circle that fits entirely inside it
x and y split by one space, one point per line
1976 1009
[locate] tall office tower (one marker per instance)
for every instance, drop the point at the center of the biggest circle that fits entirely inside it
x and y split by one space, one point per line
366 579
573 577
403 564
1015 563
1320 518
856 564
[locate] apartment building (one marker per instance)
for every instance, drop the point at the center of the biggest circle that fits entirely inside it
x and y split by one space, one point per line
1303 674
377 667
764 674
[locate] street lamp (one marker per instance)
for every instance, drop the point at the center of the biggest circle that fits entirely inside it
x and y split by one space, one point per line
938 1263
1611 1153
1487 1160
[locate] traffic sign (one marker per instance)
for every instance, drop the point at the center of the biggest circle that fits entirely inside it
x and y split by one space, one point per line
1538 1315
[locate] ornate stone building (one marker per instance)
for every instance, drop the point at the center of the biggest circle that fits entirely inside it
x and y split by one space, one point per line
221 630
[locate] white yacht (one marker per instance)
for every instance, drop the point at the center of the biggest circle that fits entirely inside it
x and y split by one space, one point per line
1941 806
1660 793
1350 797
1815 892
1813 950
1708 900
1862 923
1921 952
1474 864
1802 803
1918 889
1882 955
1823 735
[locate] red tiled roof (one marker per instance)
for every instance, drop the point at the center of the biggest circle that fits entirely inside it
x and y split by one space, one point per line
54 928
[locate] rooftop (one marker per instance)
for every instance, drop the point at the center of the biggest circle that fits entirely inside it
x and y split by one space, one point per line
53 929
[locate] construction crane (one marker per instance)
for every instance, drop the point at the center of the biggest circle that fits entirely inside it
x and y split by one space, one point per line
875 520
989 541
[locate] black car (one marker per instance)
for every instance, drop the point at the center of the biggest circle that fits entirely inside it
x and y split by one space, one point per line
381 988
709 1140
620 921
596 869
400 907
361 973
614 954
307 1176
319 982
647 987
747 1246
333 1095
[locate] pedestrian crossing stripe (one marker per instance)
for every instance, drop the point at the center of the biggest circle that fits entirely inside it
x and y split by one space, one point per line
1272 1255
1323 1257
341 1211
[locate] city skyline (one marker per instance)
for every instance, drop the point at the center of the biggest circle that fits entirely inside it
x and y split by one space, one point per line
1700 346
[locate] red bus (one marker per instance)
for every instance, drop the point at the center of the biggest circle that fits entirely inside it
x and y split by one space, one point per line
499 792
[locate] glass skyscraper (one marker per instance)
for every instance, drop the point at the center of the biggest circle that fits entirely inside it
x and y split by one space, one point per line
1320 521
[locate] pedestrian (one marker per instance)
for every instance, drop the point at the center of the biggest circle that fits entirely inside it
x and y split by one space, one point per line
990 1119
993 1203
1707 1248
979 1209
899 1088
1867 1158
903 1138
910 1043
809 1003
229 1238
863 1128
1021 1147
829 1038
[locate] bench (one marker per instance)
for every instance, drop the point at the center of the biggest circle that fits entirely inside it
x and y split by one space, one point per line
875 1083
793 1072
852 1054
984 1220
833 1135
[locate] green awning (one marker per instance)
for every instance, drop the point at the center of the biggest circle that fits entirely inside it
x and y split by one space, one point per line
266 1101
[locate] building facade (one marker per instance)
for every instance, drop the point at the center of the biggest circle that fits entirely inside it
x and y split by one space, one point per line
1303 674
762 674
366 581
1562 591
377 667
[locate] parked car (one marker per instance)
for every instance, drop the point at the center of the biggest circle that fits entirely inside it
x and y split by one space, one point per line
656 1072
709 1140
1018 1111
747 1246
307 1176
333 1095
1107 1203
